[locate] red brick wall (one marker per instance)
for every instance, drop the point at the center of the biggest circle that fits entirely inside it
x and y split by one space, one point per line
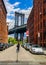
3 25
38 18
30 26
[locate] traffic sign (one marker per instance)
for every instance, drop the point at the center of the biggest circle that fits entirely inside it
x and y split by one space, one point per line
27 33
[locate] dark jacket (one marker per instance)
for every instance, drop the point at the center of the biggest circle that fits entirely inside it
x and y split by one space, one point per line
18 46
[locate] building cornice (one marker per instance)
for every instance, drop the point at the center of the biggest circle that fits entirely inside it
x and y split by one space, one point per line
4 6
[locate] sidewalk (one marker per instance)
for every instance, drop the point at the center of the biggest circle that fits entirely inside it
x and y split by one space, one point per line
11 55
44 50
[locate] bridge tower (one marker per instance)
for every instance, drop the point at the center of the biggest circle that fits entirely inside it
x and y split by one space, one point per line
19 21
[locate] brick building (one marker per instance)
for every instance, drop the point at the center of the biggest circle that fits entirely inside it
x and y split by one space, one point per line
3 24
30 26
39 18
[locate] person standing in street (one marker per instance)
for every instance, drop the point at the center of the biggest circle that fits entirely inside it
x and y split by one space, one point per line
18 46
17 50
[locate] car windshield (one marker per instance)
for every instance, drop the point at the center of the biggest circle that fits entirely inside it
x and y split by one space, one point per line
36 46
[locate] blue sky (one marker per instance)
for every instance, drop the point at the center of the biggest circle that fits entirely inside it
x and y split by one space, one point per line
22 6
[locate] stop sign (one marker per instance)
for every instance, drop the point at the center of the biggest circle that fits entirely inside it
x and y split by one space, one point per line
27 33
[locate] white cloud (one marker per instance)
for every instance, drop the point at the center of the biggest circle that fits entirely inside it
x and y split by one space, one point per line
16 3
11 35
5 1
9 6
9 20
17 9
11 23
9 14
26 12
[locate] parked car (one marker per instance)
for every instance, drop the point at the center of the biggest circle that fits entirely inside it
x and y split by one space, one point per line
29 46
10 44
1 46
36 49
6 45
23 45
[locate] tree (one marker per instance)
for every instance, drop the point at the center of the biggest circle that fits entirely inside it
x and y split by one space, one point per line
12 40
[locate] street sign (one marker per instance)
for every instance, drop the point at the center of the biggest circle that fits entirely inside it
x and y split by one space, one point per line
27 33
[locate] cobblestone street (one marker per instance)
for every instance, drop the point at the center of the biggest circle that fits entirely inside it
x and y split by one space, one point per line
11 55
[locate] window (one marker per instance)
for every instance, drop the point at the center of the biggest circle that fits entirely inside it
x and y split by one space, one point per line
44 11
44 35
40 36
44 23
0 4
40 25
44 1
